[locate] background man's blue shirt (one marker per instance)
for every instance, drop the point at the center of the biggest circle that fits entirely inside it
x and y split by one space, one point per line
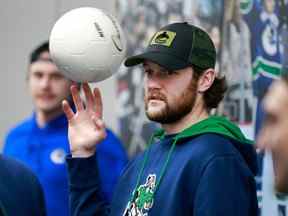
44 150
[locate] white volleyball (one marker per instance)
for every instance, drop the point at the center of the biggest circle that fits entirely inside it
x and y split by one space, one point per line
87 44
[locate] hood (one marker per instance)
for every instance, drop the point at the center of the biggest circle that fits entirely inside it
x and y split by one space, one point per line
224 127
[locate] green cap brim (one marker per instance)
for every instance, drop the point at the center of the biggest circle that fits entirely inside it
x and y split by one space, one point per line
163 59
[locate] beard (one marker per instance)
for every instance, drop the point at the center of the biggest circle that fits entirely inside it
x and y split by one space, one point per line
171 111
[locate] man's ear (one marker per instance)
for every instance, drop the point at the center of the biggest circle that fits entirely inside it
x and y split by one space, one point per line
206 80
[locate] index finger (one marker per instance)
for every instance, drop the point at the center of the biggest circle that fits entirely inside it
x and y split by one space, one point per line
89 96
76 98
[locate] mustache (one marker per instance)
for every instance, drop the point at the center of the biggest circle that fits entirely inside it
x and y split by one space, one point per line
45 94
156 95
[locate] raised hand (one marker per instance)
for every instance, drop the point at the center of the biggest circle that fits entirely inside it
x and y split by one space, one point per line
86 127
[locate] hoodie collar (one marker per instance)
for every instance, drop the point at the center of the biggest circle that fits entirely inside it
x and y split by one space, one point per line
213 124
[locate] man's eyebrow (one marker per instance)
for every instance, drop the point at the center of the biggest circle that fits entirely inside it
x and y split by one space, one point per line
43 59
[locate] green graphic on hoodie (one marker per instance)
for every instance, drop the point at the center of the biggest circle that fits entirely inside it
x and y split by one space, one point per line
145 193
143 198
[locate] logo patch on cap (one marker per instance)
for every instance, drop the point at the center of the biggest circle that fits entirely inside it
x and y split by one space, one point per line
164 38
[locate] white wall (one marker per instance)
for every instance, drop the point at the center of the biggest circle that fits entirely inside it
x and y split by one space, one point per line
23 25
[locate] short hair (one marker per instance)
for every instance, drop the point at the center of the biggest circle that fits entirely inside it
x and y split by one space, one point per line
215 94
36 53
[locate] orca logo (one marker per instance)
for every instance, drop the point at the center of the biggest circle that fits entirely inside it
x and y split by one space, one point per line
246 6
269 40
162 38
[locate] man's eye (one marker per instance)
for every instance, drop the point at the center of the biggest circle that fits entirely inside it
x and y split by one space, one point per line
57 76
171 72
38 75
148 72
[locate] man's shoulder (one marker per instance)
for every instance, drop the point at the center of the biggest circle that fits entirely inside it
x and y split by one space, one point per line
15 135
209 145
213 141
23 126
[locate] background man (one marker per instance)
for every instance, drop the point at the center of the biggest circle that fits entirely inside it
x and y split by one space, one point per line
41 140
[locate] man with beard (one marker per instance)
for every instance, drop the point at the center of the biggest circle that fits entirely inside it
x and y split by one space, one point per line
195 165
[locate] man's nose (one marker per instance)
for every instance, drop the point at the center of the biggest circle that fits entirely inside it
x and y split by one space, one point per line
153 82
45 82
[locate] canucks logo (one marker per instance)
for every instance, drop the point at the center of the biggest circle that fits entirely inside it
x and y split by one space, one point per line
58 156
246 6
142 198
164 38
269 40
270 36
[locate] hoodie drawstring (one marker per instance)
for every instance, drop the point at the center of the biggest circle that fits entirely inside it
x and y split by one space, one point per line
163 169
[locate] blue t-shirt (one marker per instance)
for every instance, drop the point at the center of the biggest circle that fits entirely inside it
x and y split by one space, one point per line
44 150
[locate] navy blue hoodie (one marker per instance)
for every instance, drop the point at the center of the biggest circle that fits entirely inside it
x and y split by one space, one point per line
206 170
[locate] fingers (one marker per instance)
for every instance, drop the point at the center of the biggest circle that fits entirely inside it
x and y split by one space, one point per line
94 100
89 96
67 110
99 123
76 98
98 103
